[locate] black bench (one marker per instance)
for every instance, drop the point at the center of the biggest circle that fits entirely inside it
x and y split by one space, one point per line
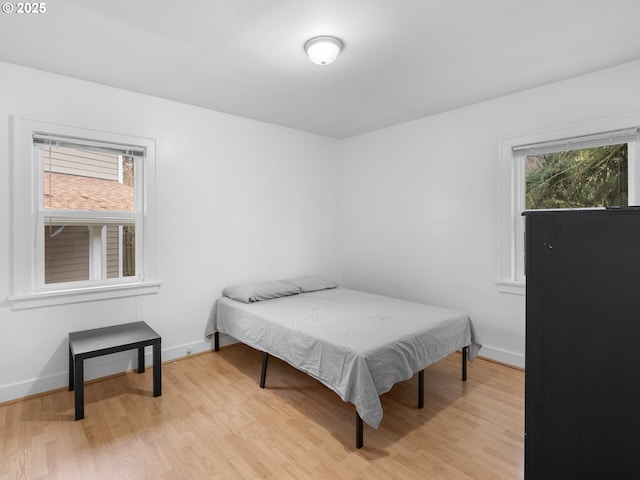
103 341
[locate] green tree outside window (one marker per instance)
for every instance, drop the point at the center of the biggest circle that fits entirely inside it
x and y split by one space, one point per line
590 177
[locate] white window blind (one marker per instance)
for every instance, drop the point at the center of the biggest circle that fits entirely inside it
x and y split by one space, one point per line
577 143
40 138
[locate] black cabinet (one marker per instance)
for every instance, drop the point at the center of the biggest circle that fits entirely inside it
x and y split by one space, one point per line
582 381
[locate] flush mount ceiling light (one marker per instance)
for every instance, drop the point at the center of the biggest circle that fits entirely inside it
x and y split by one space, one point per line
323 50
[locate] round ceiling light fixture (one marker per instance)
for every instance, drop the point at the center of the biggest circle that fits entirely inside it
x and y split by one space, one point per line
323 50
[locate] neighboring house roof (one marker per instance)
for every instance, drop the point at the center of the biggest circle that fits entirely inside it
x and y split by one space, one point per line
84 193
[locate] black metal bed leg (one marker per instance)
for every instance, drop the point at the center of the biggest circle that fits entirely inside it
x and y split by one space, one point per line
216 341
263 375
421 389
359 431
464 363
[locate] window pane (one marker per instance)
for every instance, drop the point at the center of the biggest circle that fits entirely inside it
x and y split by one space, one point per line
66 253
77 179
88 252
128 251
120 251
590 177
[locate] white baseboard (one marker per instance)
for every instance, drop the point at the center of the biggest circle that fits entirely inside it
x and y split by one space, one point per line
100 367
126 361
502 356
496 354
226 340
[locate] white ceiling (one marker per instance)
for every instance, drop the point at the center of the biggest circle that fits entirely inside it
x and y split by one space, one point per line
403 59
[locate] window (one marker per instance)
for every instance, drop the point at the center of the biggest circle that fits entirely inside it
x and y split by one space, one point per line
83 214
575 167
88 210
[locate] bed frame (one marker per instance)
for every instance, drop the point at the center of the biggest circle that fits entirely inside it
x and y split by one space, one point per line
359 422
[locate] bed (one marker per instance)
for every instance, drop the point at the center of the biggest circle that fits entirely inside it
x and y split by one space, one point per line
358 344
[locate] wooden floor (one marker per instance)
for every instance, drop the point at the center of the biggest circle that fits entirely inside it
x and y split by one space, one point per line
213 421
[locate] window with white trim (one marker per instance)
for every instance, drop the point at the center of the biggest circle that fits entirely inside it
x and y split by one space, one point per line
567 168
83 214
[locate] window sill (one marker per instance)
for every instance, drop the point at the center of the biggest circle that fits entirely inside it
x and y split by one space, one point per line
514 288
88 294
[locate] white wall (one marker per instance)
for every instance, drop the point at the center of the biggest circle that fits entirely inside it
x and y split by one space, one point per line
419 216
409 211
237 200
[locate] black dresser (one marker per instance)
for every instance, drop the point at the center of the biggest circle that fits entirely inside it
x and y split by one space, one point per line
582 381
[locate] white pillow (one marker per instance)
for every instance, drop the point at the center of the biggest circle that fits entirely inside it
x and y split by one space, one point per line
257 291
311 283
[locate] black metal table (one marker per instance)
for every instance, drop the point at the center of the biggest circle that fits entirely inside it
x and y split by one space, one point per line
103 341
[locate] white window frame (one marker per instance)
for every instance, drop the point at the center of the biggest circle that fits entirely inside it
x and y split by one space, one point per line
512 186
27 221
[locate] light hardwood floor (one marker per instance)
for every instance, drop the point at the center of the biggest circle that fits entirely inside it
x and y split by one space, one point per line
213 421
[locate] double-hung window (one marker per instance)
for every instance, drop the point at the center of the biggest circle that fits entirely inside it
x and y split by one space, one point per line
83 214
586 166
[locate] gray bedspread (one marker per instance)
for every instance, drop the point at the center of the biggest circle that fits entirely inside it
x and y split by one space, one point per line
358 344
